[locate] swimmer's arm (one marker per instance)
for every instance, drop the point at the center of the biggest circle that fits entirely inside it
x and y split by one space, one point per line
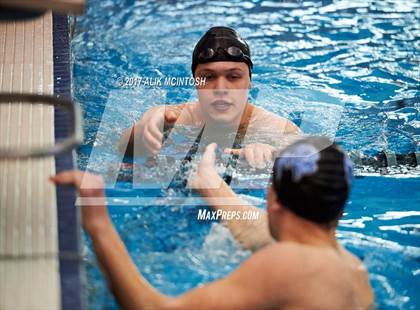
127 138
131 290
153 120
248 287
291 128
251 234
268 132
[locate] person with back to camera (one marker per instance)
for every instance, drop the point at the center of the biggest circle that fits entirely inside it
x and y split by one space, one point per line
302 266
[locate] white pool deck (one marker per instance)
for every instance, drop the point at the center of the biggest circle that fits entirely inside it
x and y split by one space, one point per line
63 6
29 265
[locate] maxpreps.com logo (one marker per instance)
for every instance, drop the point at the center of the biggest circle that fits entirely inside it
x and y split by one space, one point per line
227 215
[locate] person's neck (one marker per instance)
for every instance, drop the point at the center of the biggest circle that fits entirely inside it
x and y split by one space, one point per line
298 230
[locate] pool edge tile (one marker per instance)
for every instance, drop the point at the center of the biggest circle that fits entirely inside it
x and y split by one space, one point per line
67 214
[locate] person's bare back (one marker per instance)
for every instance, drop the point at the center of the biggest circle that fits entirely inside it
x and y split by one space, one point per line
301 266
317 277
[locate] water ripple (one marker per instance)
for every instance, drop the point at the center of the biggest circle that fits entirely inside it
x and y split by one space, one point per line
309 57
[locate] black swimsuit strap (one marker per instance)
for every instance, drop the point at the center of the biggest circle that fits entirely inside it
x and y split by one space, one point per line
237 143
231 165
180 174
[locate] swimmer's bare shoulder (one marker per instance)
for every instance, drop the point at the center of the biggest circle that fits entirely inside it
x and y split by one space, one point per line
262 118
319 277
360 278
303 276
189 113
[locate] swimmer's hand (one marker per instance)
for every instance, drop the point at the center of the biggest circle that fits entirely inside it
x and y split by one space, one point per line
91 187
145 137
206 176
151 127
258 155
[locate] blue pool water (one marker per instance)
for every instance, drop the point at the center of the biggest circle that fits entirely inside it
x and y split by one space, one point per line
349 70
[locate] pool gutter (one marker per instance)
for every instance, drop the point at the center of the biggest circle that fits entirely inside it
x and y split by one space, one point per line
67 214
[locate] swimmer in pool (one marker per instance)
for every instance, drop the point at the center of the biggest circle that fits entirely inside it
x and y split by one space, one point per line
303 268
223 58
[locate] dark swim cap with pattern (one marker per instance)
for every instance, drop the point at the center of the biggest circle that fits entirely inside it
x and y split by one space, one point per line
221 44
312 178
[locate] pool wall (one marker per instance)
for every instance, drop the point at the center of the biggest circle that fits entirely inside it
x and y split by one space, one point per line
67 215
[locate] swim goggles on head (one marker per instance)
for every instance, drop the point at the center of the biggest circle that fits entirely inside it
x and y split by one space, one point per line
233 52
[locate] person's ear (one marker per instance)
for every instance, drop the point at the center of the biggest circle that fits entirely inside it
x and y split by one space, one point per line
271 196
272 200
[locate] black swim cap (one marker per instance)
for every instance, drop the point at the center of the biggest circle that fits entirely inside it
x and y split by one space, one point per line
312 178
221 44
